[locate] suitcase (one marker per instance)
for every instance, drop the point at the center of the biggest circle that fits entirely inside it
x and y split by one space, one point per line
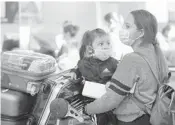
60 87
21 120
24 70
14 103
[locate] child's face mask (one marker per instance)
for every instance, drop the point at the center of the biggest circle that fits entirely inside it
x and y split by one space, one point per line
102 48
102 54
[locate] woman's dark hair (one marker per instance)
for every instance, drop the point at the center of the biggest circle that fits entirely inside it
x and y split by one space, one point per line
71 29
146 21
88 39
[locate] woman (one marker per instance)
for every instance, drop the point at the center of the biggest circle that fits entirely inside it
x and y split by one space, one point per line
139 31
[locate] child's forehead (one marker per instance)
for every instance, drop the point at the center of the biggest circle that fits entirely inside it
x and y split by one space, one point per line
103 38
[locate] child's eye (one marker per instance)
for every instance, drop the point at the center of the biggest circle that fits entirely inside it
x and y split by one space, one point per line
100 44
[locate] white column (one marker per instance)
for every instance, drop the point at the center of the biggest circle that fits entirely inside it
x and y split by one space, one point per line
98 14
24 32
2 5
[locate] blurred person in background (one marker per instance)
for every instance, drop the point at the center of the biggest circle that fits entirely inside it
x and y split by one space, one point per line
67 51
114 23
11 42
165 31
43 41
169 34
162 38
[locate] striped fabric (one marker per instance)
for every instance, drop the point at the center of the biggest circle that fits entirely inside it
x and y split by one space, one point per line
118 87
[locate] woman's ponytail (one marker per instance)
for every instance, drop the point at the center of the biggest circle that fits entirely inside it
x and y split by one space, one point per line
162 64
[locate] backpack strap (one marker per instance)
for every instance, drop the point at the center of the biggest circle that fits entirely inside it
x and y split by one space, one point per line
141 105
149 66
138 102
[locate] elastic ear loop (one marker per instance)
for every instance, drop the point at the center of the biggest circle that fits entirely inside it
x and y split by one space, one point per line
139 36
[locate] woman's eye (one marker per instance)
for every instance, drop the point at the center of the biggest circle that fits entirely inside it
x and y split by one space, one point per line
126 26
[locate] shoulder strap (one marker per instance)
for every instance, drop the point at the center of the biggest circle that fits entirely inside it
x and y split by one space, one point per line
141 105
148 65
138 102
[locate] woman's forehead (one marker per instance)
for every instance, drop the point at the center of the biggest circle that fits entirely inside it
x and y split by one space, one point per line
130 20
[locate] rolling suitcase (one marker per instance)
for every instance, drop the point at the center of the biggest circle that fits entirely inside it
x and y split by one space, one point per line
25 70
16 107
14 103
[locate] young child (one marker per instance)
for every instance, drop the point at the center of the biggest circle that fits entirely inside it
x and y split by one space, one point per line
96 64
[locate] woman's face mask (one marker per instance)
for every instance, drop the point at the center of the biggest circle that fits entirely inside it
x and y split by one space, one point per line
126 38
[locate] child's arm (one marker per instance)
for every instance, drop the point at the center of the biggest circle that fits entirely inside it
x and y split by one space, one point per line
75 73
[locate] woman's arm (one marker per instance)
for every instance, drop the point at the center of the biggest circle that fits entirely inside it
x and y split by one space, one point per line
106 103
118 87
